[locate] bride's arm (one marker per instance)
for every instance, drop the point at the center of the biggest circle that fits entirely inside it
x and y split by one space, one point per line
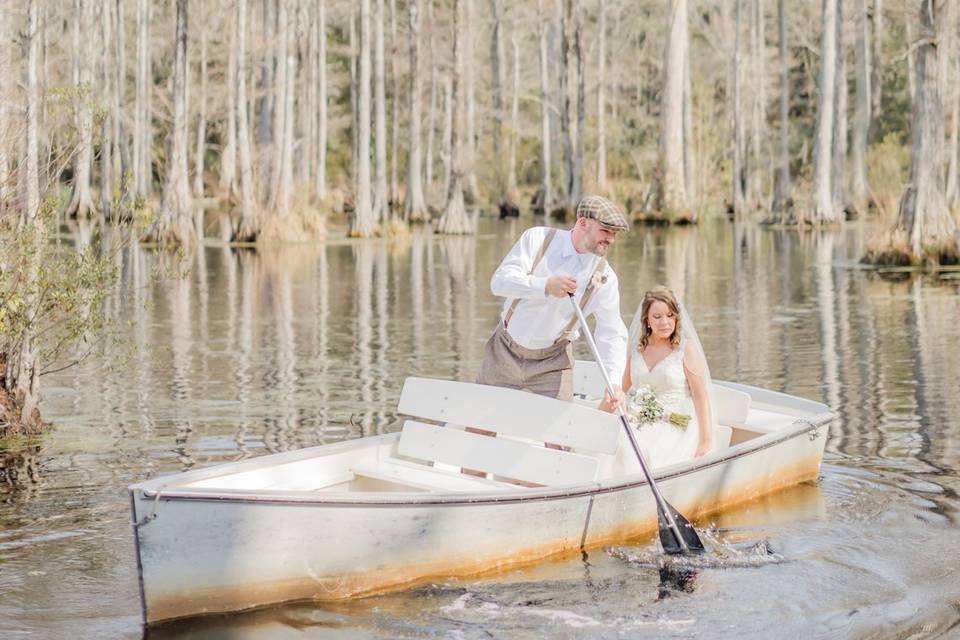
701 404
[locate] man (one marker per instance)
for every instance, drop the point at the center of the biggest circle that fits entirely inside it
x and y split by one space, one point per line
531 347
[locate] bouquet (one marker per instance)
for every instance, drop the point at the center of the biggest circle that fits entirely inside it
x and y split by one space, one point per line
644 408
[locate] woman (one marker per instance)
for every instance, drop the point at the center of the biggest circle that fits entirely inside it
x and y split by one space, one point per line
664 354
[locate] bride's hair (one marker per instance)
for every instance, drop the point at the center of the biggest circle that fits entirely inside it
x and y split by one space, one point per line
664 295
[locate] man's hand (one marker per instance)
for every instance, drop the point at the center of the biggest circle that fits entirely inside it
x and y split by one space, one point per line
560 286
610 403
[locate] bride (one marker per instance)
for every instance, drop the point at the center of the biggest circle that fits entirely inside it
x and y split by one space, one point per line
664 354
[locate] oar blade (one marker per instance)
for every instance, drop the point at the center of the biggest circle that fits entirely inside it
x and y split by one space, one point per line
668 539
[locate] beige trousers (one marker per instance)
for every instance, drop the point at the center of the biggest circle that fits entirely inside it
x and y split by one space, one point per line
546 372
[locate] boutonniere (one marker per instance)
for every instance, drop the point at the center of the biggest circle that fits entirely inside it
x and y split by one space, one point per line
598 279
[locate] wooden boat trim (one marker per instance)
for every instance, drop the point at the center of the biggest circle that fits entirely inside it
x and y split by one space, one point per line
799 427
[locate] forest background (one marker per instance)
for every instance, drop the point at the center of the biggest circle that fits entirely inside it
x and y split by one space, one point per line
171 123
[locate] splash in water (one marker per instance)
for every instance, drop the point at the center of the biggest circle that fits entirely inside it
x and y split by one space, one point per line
719 554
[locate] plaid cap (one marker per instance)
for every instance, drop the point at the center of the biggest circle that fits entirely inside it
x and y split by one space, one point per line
603 211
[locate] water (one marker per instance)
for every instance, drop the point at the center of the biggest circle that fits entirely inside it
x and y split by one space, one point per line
257 353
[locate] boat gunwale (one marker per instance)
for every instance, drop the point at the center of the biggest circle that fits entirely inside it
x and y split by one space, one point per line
799 427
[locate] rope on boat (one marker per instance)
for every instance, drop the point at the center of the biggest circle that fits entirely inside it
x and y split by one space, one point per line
814 423
150 517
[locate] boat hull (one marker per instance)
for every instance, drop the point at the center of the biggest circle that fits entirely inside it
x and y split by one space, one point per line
203 553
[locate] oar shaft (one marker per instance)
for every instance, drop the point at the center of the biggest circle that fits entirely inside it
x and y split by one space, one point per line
661 502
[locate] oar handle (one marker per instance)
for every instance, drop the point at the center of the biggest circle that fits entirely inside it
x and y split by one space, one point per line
661 503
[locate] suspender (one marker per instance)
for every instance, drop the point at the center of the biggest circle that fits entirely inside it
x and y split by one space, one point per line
536 260
587 293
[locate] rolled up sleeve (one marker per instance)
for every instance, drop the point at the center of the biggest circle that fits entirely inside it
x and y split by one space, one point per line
512 278
611 333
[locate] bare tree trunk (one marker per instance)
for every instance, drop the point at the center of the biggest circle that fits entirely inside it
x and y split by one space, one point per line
673 190
576 178
354 96
861 116
824 209
249 226
514 112
364 222
119 84
415 207
911 66
953 167
758 105
280 46
81 202
198 161
380 204
839 181
108 171
689 146
268 70
29 214
950 66
454 219
601 100
782 196
546 197
175 224
393 196
432 113
21 373
566 125
503 195
469 159
321 183
143 134
228 156
308 104
285 102
738 194
876 67
446 148
924 221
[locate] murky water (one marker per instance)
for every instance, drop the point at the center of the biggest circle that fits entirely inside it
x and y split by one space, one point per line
258 353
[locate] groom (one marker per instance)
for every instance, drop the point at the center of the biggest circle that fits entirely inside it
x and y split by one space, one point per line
531 346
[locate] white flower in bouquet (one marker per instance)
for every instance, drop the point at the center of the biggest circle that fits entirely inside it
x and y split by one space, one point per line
643 407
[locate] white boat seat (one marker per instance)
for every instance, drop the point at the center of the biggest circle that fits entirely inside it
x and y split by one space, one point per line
423 477
762 421
512 413
721 436
733 405
302 475
526 462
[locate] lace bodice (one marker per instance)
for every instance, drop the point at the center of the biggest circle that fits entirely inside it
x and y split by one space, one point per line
667 379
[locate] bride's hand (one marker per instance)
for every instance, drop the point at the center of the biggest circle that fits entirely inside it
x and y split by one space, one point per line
703 448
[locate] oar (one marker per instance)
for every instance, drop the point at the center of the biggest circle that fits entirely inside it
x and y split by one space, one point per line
677 535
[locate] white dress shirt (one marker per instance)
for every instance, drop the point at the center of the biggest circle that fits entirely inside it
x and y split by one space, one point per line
540 318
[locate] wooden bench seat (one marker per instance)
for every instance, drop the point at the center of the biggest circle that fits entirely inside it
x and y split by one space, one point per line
527 462
425 477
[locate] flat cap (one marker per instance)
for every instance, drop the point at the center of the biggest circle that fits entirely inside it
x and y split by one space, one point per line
603 211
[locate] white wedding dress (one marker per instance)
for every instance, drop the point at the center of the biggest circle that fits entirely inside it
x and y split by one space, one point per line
662 443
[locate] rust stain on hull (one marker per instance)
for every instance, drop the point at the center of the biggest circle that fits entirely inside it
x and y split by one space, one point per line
187 603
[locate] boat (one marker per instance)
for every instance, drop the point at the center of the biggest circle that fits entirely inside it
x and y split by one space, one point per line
440 498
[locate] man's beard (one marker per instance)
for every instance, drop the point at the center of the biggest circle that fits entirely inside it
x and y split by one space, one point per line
600 249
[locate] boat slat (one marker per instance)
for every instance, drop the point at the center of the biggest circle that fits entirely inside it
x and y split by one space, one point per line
426 477
763 421
302 475
511 412
499 456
